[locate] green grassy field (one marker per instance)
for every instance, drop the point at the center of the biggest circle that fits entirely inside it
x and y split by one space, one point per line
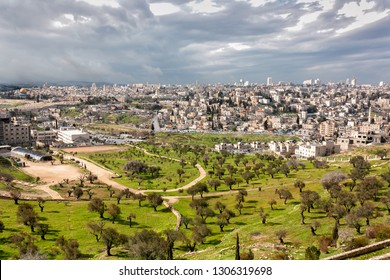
70 218
7 168
211 139
167 178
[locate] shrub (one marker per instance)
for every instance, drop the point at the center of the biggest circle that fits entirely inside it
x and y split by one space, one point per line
312 253
378 232
324 243
247 255
357 242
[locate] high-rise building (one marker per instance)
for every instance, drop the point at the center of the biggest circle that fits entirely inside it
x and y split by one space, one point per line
353 82
327 128
269 81
15 135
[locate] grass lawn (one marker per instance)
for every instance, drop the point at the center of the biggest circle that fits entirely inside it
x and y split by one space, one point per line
16 173
167 178
69 219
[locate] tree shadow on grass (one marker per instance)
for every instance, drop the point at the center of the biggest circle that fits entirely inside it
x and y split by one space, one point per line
53 211
271 224
293 202
252 201
10 230
122 255
5 255
213 242
134 224
4 240
86 256
163 210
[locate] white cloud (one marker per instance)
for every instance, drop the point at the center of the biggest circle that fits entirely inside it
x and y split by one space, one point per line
162 9
308 18
360 11
238 46
257 3
231 47
67 20
99 3
205 7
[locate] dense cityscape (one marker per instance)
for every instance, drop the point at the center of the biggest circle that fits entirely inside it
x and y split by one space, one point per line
271 138
334 116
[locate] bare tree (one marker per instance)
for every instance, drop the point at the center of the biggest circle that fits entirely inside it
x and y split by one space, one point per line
70 248
41 201
155 200
272 202
314 226
130 218
42 230
111 238
15 195
97 205
263 215
114 211
96 229
281 234
300 185
26 215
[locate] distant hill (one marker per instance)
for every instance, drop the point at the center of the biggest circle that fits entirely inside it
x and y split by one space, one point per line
8 87
78 83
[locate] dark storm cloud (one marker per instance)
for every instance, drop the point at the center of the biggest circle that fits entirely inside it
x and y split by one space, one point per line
204 40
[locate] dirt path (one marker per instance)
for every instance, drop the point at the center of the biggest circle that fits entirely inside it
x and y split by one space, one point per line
46 188
104 175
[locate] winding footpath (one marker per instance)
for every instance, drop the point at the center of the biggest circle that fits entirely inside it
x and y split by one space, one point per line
106 176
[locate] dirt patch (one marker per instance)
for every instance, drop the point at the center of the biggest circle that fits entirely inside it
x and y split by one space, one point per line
49 173
94 149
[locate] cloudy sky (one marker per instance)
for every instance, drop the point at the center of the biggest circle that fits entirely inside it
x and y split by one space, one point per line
181 41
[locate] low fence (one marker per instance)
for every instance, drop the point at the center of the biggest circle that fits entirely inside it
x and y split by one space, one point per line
361 251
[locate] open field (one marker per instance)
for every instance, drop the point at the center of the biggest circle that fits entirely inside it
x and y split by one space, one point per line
69 219
95 149
49 173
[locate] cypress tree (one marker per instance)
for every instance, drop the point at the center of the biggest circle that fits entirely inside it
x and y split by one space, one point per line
237 248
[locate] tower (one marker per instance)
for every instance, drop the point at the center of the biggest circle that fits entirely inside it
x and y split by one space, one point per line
353 82
369 115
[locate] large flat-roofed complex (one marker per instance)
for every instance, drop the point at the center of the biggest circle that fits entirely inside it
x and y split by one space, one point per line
72 135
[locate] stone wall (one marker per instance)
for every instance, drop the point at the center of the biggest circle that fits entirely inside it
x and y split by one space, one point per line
361 251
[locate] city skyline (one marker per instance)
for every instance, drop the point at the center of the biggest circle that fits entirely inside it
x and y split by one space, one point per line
181 42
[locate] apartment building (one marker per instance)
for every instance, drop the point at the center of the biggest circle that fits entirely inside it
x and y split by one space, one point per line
14 135
327 128
45 137
317 150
